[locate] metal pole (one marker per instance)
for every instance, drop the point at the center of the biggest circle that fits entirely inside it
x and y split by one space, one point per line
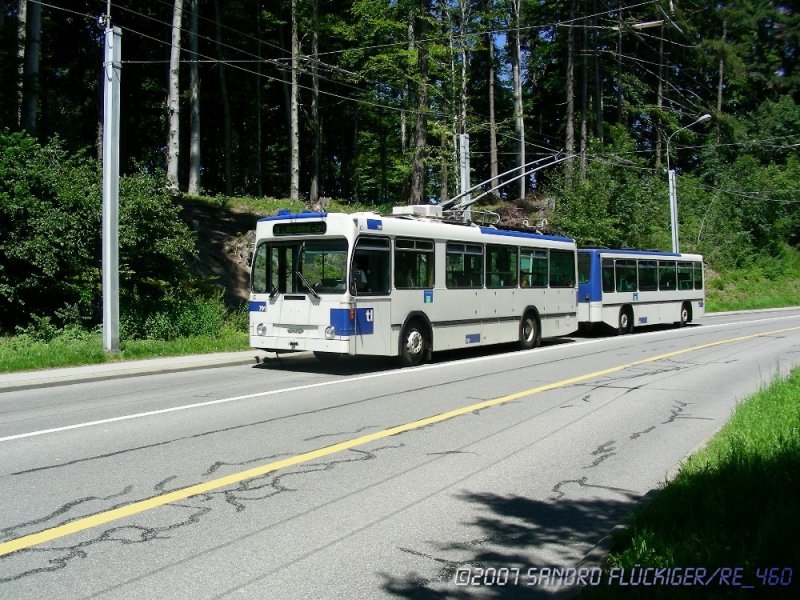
111 80
463 145
673 194
673 210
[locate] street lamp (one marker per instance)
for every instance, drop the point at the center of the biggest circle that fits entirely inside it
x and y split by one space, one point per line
673 199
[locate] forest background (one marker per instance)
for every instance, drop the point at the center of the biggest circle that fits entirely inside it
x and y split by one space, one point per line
362 102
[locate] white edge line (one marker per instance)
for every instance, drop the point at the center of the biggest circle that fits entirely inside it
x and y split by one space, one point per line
309 386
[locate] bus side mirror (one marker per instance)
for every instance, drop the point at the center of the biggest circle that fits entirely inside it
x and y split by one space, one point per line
250 259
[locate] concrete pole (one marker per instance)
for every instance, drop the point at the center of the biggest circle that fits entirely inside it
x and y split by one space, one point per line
112 68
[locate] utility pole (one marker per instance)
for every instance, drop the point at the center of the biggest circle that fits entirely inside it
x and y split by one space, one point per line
673 194
112 68
463 163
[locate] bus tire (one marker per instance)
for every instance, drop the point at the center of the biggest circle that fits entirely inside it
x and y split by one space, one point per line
413 344
686 314
625 320
529 333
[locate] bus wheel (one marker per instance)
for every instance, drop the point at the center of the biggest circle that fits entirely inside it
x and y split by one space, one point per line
685 315
625 320
528 332
412 345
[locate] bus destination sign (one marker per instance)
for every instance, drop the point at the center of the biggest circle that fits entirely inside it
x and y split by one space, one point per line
304 228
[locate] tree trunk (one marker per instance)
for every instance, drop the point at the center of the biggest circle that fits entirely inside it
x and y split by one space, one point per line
194 103
493 167
259 170
464 12
619 63
226 105
22 13
294 124
660 100
315 122
173 98
721 80
30 77
569 141
421 125
519 118
584 98
598 81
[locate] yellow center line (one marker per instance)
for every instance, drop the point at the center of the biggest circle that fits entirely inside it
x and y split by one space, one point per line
140 506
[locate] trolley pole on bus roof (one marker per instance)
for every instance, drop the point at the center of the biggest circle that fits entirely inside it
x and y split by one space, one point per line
111 99
673 194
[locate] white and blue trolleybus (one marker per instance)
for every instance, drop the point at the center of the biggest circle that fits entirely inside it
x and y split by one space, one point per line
405 285
628 288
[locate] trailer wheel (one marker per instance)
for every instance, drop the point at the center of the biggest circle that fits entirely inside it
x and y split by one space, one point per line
625 320
529 335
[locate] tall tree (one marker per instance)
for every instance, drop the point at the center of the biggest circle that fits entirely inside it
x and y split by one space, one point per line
519 116
194 102
173 99
493 165
30 76
315 121
421 124
226 106
294 125
569 140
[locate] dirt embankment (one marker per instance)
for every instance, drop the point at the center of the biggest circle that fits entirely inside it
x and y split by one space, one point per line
224 242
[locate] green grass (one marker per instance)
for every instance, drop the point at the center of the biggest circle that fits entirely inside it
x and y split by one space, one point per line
270 206
768 283
22 353
736 503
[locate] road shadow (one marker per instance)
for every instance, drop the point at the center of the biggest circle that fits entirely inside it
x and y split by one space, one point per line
306 362
510 529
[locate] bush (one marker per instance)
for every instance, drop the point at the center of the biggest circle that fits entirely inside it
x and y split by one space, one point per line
50 207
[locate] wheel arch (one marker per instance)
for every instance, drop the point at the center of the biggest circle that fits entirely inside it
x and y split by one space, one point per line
416 315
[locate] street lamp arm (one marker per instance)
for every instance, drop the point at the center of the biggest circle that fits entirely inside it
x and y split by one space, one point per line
701 119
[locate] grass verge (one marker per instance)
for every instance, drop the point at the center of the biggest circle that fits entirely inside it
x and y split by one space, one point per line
22 353
771 282
732 505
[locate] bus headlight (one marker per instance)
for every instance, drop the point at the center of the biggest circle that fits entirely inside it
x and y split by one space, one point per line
330 332
261 329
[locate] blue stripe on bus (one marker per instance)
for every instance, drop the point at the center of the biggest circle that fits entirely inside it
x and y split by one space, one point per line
473 338
523 234
375 224
287 216
363 324
258 306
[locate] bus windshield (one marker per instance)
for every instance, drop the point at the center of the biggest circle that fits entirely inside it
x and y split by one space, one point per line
299 267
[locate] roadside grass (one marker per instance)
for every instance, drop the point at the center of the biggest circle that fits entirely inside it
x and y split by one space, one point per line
733 504
768 283
23 353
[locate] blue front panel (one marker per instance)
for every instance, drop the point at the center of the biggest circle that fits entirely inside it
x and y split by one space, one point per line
375 224
592 290
363 324
258 306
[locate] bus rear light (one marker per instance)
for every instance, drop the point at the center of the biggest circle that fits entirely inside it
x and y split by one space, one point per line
352 314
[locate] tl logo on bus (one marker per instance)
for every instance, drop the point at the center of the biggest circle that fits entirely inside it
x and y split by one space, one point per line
350 322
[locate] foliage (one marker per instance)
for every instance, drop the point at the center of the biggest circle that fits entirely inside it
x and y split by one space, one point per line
50 243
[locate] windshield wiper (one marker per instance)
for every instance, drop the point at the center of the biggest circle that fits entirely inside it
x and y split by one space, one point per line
273 292
305 282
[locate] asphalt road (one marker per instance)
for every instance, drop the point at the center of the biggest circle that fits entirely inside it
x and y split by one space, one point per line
293 479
